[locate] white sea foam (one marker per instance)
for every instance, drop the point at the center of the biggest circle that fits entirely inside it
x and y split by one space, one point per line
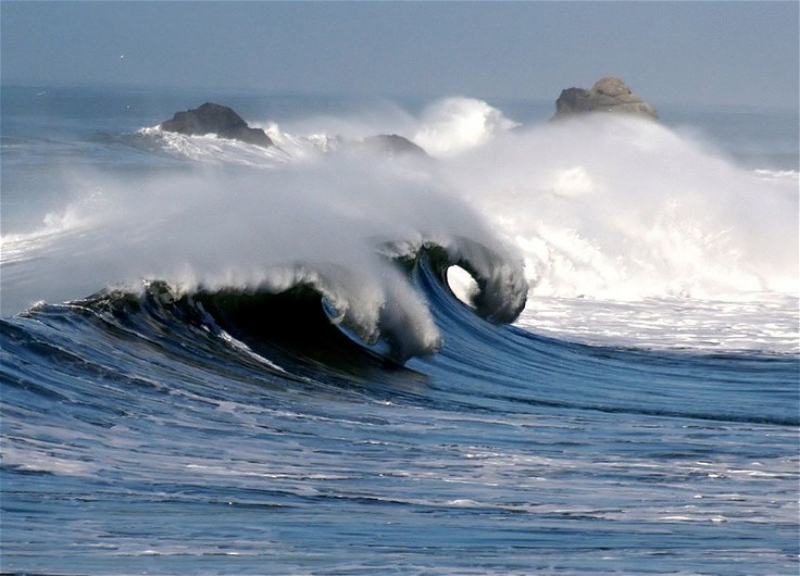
622 208
602 209
325 222
453 125
211 149
635 235
767 322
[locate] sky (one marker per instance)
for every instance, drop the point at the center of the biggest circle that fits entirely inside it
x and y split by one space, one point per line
710 52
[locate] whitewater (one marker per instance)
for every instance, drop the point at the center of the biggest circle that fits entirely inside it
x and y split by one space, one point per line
557 347
603 208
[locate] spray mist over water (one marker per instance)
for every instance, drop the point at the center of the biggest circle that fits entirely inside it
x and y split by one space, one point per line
603 207
454 125
334 222
624 208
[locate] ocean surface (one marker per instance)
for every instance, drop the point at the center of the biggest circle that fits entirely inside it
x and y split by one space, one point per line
542 347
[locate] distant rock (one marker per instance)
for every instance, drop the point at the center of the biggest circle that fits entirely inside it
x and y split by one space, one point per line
216 119
609 94
393 145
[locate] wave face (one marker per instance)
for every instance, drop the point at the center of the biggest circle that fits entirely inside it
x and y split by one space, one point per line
224 432
541 347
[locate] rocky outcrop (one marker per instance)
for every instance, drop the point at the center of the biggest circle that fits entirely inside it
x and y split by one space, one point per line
609 94
393 145
215 119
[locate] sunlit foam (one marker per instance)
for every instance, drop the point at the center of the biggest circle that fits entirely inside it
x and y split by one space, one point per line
453 125
623 208
601 208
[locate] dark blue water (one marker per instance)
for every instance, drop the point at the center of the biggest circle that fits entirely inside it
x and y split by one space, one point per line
231 430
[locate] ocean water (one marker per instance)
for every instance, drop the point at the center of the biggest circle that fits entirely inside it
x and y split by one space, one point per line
542 348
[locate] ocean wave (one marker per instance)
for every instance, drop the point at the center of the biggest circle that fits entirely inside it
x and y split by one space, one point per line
300 305
627 209
601 208
453 125
256 353
210 148
295 339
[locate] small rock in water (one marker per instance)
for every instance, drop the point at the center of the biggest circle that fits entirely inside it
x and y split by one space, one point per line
608 94
215 119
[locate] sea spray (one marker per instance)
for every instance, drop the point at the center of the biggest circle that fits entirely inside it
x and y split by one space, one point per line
602 207
326 222
453 125
622 208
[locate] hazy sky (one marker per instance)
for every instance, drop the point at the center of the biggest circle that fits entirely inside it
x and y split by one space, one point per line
718 52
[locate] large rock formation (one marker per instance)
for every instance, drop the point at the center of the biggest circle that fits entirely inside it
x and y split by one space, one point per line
216 119
609 94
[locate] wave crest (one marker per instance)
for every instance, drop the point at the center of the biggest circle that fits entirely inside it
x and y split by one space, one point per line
299 306
453 125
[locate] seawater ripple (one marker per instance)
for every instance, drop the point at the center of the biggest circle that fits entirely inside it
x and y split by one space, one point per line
164 445
277 377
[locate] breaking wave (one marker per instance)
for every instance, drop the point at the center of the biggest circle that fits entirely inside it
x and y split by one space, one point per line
602 207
